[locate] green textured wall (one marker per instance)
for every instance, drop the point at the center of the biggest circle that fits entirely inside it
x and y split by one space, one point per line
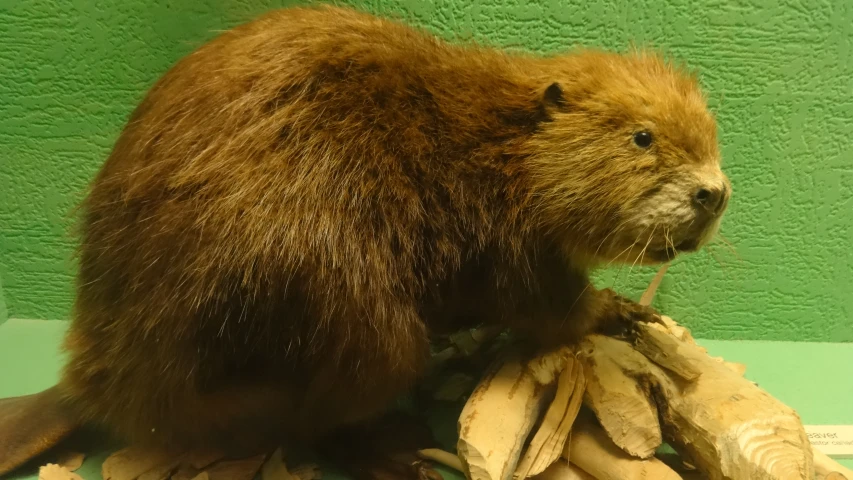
780 74
4 312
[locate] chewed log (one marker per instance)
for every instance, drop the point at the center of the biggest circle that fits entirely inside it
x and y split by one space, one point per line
725 424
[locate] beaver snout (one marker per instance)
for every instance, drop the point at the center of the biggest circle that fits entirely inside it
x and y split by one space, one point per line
712 199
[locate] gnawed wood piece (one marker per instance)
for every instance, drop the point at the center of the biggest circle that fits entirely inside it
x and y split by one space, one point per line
663 348
729 427
550 438
502 410
593 452
623 406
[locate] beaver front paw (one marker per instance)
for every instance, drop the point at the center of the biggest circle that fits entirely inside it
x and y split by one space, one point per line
622 314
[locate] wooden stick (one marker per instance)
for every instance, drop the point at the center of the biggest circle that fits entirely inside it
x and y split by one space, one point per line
651 290
592 451
444 458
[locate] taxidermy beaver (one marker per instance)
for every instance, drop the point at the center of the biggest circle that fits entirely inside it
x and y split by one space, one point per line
295 207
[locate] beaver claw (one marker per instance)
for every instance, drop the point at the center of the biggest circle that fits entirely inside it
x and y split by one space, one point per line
424 471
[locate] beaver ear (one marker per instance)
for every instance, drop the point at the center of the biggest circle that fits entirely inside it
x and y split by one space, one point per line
553 95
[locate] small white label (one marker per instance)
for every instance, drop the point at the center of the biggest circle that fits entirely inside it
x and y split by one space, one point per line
833 440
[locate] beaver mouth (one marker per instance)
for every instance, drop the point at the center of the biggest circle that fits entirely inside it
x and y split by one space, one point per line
671 252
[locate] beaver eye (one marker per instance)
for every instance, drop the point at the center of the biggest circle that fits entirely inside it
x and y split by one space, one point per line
643 139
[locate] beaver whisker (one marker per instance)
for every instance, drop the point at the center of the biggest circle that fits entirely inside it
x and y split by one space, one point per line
643 251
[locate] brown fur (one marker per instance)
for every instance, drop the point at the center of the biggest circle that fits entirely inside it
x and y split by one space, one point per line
296 206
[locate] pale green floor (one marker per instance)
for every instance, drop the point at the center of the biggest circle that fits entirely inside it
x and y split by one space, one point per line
814 378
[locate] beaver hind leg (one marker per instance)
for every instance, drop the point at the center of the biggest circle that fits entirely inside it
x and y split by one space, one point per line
30 425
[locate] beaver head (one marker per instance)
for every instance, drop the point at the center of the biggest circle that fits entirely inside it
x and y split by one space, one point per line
628 168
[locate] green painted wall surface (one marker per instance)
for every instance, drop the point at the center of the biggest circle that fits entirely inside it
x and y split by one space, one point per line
780 74
4 312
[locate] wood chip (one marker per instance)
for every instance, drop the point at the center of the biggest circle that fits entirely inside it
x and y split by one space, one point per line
52 471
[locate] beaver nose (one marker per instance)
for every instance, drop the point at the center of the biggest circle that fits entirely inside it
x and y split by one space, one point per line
712 198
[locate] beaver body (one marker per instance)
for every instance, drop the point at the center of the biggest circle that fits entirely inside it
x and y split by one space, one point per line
295 207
